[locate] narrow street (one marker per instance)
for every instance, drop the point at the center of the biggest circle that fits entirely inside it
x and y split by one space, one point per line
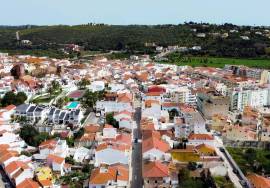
137 153
235 178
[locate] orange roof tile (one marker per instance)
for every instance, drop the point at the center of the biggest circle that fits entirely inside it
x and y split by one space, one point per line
115 146
200 137
149 133
154 93
125 97
48 144
56 159
11 167
10 107
88 137
259 181
155 170
153 142
91 128
102 177
149 103
5 155
201 146
45 183
123 112
169 104
122 171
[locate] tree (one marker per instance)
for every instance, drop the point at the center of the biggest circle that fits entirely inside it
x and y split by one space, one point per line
83 83
61 102
26 153
79 134
110 120
70 160
183 174
70 141
192 166
90 98
54 88
31 136
21 98
9 98
87 168
28 133
173 113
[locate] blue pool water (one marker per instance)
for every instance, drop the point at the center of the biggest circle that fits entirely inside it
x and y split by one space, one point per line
73 105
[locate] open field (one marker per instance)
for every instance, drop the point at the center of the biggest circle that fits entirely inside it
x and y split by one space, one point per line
43 99
177 59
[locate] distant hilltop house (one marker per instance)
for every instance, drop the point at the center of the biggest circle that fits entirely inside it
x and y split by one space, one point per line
196 48
26 42
244 37
159 48
201 35
149 44
72 47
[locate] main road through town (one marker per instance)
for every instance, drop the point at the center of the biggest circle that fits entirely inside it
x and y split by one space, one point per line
136 163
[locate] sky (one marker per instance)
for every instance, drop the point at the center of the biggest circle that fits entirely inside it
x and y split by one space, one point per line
125 12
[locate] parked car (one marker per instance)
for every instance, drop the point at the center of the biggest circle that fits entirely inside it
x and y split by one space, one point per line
221 149
235 171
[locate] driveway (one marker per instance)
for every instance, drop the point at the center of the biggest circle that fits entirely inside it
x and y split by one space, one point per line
90 119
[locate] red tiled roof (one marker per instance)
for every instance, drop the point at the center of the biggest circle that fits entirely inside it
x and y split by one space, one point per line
10 107
153 142
158 89
98 177
56 159
28 183
48 144
155 170
259 181
11 167
200 137
91 128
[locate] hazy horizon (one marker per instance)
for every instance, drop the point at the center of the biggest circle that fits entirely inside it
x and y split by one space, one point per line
139 12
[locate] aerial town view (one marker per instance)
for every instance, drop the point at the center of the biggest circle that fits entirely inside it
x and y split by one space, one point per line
134 94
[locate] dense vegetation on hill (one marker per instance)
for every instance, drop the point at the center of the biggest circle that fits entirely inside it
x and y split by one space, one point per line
133 38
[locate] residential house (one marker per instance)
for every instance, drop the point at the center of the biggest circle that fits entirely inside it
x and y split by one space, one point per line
28 183
156 174
111 153
197 139
18 171
103 177
154 148
56 163
109 131
81 154
53 146
44 176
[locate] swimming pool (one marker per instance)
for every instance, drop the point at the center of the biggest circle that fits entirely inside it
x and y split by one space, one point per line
73 105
